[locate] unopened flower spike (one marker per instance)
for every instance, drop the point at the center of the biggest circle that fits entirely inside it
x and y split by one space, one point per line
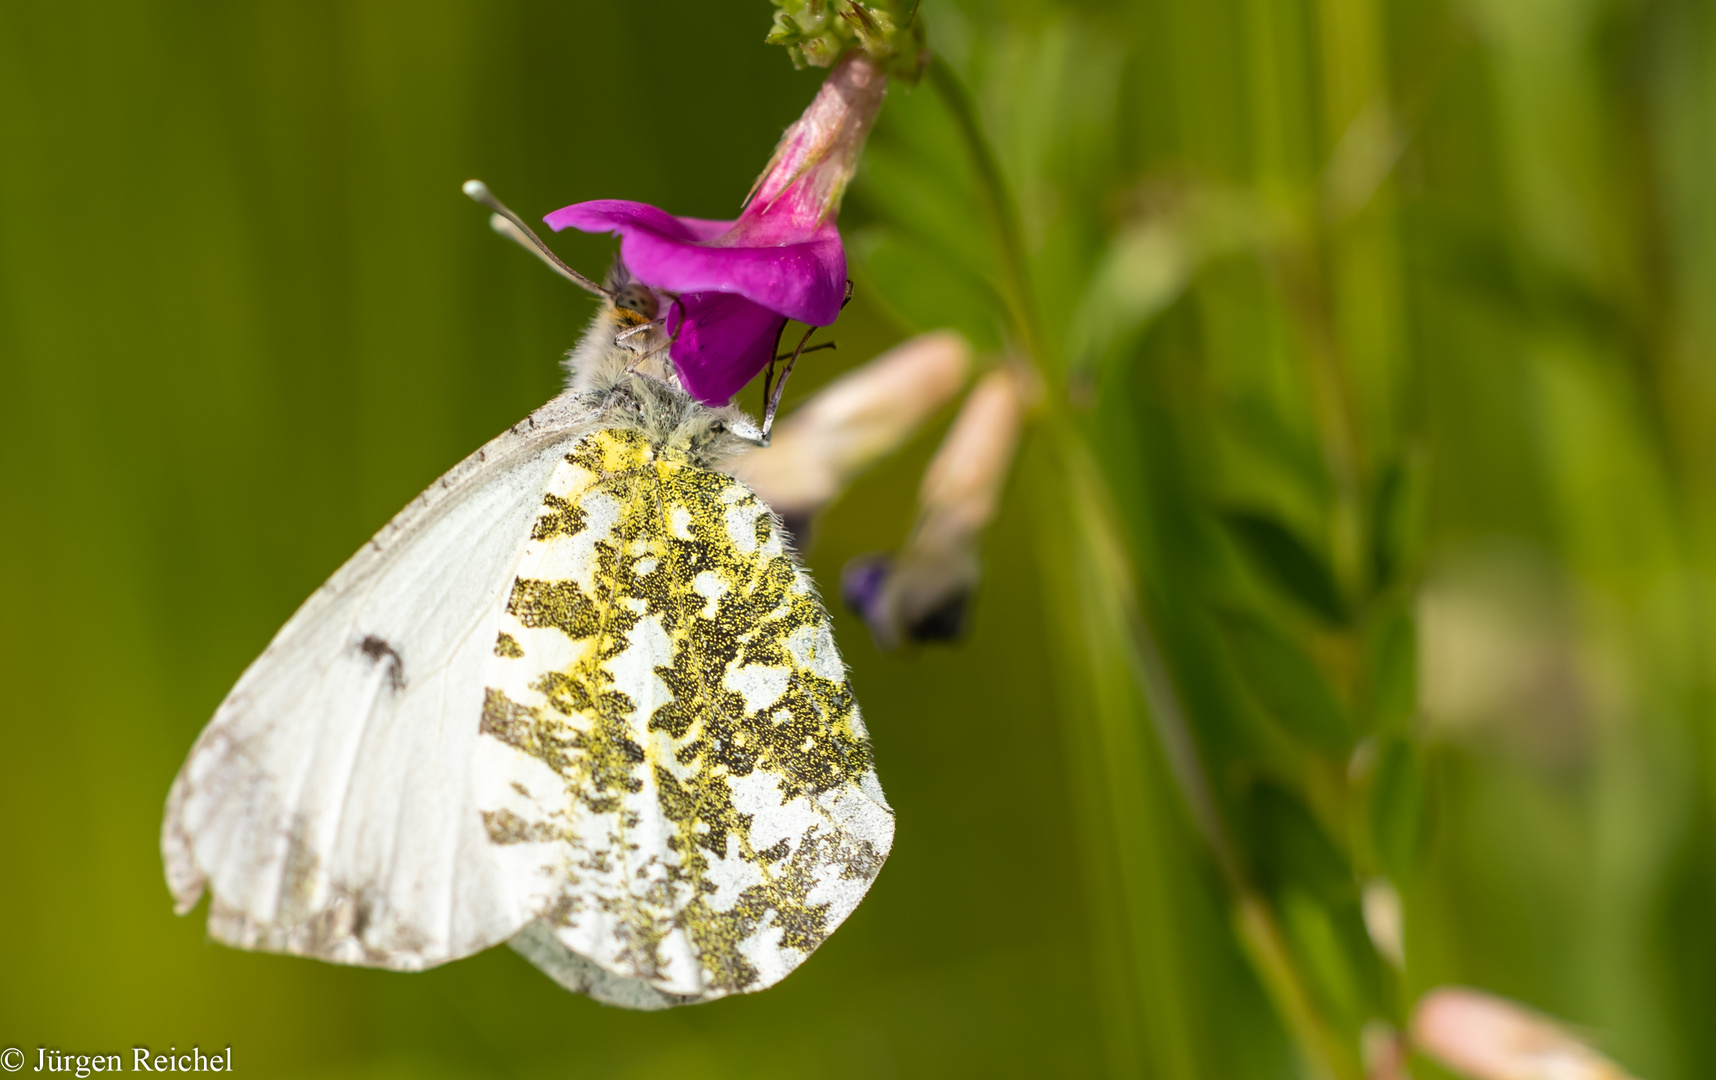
817 32
922 594
737 283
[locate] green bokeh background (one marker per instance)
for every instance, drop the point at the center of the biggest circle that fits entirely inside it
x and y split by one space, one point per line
245 315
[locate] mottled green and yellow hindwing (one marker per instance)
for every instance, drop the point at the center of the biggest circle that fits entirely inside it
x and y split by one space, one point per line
674 757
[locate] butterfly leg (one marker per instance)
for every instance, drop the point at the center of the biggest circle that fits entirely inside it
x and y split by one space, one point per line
772 401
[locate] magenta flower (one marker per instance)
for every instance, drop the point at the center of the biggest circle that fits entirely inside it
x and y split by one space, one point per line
736 283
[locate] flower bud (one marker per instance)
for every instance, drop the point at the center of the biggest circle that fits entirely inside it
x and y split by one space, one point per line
851 423
1383 1051
922 594
1491 1038
1384 920
816 32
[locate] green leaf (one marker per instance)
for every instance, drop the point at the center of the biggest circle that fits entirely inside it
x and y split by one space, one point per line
1288 684
1151 259
1289 563
1283 457
1398 818
1394 672
1290 849
1328 956
1397 523
1384 557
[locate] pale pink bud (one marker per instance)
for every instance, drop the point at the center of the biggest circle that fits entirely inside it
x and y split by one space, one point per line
1384 920
962 487
1491 1038
852 423
922 594
1383 1051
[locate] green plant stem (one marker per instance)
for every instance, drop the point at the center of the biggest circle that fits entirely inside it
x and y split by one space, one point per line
1300 274
1270 957
1255 922
1088 506
1004 216
1259 932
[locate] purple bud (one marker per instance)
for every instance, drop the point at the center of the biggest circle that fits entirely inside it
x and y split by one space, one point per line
862 586
924 593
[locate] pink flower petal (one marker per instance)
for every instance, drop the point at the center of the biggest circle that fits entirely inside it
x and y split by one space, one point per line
803 280
622 215
721 341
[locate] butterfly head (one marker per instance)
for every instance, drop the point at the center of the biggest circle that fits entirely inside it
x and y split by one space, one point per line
634 304
633 311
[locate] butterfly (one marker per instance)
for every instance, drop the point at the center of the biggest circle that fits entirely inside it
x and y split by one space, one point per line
579 697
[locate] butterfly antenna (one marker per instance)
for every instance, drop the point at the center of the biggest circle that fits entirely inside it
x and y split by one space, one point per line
511 226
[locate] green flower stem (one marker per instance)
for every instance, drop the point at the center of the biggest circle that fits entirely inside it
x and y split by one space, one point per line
1260 934
1255 922
1094 523
1299 273
1016 289
1102 539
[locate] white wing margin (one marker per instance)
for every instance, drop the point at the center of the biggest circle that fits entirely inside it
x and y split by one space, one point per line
328 805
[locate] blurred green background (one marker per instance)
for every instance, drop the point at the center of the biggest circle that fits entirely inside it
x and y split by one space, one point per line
1377 339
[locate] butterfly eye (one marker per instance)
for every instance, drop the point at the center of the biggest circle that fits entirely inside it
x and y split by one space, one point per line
638 300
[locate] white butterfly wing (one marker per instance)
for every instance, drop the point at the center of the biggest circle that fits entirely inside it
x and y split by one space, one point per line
328 805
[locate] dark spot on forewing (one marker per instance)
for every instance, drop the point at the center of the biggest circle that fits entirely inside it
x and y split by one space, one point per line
559 604
558 517
506 827
377 651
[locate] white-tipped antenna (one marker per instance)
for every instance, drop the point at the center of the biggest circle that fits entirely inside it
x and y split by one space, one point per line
511 226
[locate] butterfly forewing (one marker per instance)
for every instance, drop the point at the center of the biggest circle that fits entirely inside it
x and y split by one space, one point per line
671 762
328 804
